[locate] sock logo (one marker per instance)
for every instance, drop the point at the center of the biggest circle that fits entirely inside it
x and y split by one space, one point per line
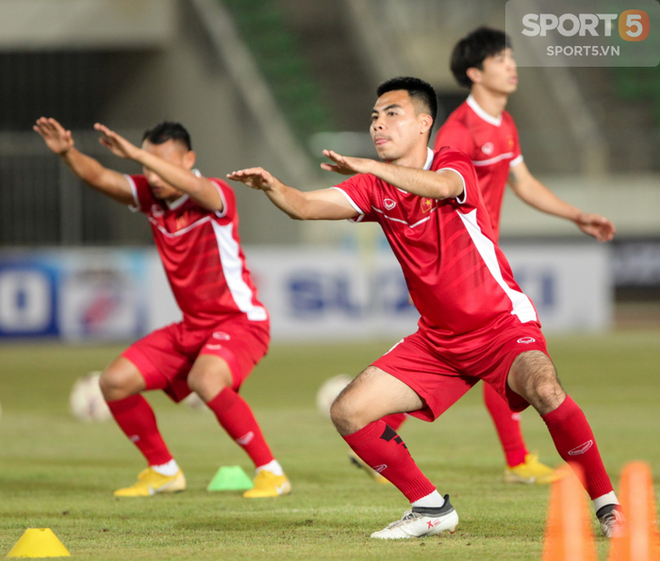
390 434
221 336
213 347
380 469
579 450
135 438
245 439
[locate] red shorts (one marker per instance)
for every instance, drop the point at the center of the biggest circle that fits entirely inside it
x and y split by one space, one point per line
442 370
165 356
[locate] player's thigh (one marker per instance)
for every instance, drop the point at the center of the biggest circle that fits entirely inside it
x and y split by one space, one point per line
121 379
372 395
209 375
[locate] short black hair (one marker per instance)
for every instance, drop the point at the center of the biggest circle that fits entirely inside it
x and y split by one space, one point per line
473 49
168 130
417 89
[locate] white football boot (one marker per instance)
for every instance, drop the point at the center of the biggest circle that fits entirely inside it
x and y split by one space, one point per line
420 522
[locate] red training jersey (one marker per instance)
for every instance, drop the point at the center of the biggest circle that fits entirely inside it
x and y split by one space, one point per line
458 277
202 256
492 145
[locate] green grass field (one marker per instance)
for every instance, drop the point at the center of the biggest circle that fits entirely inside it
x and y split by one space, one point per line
59 473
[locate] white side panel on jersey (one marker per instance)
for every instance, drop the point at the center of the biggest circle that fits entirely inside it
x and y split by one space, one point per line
522 305
232 267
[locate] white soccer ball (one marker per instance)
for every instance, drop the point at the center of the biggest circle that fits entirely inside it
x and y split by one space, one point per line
329 390
86 400
195 402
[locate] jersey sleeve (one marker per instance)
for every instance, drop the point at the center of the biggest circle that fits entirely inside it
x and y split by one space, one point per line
357 191
455 160
455 135
228 198
141 193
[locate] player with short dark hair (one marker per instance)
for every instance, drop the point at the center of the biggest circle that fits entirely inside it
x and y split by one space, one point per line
225 329
481 128
476 324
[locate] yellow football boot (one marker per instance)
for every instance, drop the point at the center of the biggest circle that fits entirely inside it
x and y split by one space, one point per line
151 482
267 484
530 472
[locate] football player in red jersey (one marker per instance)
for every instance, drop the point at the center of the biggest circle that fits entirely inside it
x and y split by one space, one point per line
476 323
481 128
225 329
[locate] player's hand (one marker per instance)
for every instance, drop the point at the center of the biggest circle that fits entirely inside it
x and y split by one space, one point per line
345 165
117 144
256 178
56 137
597 226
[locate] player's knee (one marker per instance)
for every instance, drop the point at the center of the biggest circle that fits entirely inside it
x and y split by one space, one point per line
208 382
349 414
117 382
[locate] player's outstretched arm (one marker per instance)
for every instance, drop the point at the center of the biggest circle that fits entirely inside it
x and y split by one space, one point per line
535 194
434 185
325 204
107 181
200 189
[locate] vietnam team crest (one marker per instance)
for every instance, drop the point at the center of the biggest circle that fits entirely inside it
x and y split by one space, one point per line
426 204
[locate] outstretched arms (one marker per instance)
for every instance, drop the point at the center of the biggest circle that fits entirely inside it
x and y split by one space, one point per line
171 164
442 184
326 204
535 194
89 170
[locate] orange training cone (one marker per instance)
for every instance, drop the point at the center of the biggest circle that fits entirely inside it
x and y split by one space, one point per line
39 542
568 535
639 540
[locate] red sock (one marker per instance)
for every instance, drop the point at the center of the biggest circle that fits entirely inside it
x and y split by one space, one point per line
382 449
236 417
575 442
136 418
395 420
507 425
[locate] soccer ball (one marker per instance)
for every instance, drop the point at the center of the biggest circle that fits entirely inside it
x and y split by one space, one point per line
86 400
329 390
195 402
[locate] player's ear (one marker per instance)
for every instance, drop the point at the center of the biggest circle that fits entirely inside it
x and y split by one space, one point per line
426 123
189 159
474 74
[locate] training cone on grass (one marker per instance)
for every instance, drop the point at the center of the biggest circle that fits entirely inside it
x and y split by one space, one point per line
230 478
39 542
568 535
639 540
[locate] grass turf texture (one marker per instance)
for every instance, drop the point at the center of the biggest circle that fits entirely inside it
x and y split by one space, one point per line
59 473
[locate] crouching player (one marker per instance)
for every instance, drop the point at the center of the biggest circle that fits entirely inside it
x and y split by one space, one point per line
225 329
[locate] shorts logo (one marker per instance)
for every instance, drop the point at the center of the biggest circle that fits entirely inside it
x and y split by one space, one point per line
389 204
380 469
579 450
220 335
157 210
245 439
526 340
214 347
488 148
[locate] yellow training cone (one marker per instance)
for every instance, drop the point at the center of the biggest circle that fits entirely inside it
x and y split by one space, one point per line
39 542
